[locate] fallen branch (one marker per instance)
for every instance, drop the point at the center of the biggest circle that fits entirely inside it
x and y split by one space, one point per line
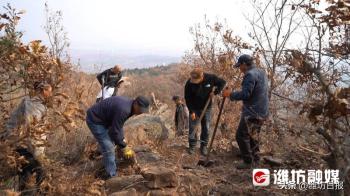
312 151
287 98
14 98
154 100
11 91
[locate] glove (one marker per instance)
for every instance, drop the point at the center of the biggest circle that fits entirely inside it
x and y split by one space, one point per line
128 153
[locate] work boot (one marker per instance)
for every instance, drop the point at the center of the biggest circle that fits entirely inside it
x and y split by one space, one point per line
204 150
191 150
244 165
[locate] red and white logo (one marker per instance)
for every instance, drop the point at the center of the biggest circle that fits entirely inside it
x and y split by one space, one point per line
261 177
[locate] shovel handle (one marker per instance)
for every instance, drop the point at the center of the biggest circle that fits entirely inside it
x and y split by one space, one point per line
103 87
206 105
216 126
204 110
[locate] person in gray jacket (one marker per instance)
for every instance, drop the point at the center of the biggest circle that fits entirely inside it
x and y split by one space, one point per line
31 109
255 111
30 142
181 116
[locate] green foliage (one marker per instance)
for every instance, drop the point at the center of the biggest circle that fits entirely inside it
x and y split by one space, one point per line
150 71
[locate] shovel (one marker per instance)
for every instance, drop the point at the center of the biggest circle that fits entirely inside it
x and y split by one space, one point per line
196 128
206 162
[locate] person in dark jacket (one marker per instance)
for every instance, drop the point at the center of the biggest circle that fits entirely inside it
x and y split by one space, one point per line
255 111
181 116
109 79
198 89
106 120
110 76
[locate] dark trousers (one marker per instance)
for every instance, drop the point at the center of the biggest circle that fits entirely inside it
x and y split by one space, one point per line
205 124
247 138
28 169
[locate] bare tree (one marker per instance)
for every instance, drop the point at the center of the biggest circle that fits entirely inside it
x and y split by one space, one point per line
273 24
56 33
215 48
322 64
317 69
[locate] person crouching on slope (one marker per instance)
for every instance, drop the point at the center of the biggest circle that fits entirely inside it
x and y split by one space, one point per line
106 119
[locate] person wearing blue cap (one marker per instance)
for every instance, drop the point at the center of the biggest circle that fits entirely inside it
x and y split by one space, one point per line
254 94
106 119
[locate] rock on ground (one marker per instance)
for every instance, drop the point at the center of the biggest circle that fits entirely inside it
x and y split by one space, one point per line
163 192
160 177
273 161
120 182
143 128
130 192
147 157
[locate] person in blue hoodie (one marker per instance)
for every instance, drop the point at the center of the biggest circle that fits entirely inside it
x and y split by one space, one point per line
106 119
254 94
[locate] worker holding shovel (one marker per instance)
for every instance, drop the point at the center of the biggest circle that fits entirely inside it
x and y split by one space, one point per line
254 94
110 80
199 90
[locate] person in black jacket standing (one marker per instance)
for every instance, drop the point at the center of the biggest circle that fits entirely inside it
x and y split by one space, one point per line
110 78
198 89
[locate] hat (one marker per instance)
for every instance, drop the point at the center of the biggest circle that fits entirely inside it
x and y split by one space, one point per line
245 58
197 75
40 85
175 97
143 103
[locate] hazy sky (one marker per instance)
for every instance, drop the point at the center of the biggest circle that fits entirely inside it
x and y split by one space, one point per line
145 26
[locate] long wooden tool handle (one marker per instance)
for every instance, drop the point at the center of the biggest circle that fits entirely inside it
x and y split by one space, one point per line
103 87
204 110
216 126
205 107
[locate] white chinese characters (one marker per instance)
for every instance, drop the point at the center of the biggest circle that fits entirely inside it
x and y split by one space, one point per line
300 179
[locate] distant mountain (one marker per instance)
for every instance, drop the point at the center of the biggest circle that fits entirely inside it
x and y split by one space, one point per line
93 61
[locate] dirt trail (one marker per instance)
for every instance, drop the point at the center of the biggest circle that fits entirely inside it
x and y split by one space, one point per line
220 179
